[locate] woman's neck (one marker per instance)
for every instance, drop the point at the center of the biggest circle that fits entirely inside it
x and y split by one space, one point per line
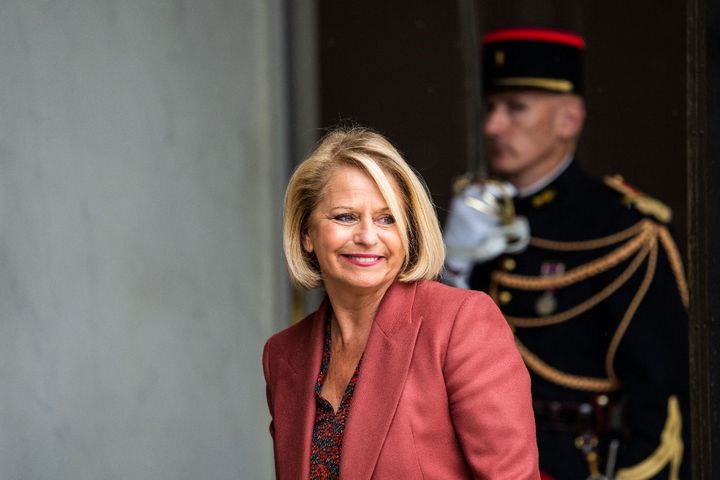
353 315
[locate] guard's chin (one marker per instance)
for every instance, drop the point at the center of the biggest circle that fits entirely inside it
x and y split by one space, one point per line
501 164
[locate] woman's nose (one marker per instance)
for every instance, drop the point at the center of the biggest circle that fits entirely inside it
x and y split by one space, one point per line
366 233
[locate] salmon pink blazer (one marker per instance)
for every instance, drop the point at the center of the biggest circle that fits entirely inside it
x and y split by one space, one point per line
442 392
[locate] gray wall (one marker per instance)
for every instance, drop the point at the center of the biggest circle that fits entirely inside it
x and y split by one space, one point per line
142 162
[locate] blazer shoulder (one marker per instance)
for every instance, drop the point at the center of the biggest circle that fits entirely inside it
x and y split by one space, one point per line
437 298
430 290
295 334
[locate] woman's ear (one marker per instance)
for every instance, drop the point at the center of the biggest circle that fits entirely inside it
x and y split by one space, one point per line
572 117
307 243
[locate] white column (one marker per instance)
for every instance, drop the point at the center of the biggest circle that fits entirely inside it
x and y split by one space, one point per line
143 153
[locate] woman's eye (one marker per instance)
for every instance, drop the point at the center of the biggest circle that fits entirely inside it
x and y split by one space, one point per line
515 106
345 217
386 220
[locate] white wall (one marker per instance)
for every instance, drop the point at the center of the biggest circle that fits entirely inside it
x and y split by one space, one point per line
142 162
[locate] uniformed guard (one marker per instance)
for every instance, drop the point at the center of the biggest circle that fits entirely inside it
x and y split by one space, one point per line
596 294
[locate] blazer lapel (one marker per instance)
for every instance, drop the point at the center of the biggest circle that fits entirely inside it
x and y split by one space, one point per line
296 388
381 379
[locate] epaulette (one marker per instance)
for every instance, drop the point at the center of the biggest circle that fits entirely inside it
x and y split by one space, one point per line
639 200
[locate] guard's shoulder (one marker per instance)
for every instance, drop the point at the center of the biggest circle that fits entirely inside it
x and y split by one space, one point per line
638 200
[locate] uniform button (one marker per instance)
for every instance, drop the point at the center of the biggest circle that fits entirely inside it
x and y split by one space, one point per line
602 400
509 264
505 297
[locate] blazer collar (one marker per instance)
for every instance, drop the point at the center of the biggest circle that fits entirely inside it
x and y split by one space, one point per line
381 380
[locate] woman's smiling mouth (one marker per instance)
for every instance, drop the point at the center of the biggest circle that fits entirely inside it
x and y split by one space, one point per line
363 259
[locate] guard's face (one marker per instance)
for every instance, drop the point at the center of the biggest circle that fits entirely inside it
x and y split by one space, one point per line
525 134
354 235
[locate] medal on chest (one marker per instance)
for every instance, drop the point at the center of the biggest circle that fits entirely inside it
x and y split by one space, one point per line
546 304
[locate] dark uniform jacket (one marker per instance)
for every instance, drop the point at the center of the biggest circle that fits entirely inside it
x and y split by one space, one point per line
598 303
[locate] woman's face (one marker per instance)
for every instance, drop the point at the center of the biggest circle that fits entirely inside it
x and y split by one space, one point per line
353 234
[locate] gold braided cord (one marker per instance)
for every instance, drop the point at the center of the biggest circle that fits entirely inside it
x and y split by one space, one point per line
630 312
670 450
675 263
647 233
579 309
594 384
575 382
590 269
588 244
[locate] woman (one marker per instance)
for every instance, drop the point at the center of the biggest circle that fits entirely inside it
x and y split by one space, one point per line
395 376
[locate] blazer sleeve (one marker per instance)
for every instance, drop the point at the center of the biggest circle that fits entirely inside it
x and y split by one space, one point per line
489 394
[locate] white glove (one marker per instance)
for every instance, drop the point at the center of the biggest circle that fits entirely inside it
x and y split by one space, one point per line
475 232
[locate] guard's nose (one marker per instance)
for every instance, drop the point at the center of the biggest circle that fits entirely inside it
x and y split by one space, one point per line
496 122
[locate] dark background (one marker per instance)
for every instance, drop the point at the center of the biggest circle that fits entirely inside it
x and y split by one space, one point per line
398 67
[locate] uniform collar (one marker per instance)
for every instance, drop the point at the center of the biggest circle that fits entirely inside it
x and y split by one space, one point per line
569 179
547 179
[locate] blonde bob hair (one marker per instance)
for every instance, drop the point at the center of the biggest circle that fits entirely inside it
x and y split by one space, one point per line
374 155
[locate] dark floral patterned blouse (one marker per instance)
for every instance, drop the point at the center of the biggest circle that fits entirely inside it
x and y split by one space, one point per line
327 436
